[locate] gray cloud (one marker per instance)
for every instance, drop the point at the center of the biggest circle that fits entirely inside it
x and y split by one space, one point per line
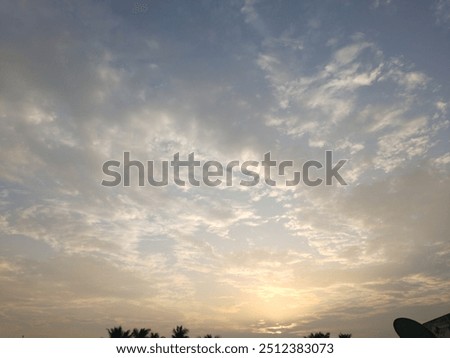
81 84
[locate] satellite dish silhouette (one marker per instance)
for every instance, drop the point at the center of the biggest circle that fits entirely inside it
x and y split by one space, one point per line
408 328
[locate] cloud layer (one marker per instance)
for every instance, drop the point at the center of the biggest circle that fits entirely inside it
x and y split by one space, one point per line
82 83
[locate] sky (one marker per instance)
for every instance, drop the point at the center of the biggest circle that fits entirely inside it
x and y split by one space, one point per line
82 82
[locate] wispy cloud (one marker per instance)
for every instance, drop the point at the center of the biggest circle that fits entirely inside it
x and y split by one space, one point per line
83 83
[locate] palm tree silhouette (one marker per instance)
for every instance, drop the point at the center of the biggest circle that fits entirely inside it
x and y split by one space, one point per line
319 335
180 332
118 332
345 335
141 333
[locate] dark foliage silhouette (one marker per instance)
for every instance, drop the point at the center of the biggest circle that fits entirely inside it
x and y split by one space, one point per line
141 333
318 335
118 332
180 332
345 335
210 336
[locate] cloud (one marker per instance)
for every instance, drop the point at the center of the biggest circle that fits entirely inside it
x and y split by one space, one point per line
378 3
442 12
252 16
82 84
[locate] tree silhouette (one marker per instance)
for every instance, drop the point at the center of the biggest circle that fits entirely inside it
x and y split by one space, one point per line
180 332
141 333
319 335
345 335
118 332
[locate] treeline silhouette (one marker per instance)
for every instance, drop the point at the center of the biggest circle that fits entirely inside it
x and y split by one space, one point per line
327 335
182 332
177 332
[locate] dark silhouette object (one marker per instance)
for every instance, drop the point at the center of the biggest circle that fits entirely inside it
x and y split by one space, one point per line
180 332
319 335
141 333
210 336
345 335
118 332
408 328
440 326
